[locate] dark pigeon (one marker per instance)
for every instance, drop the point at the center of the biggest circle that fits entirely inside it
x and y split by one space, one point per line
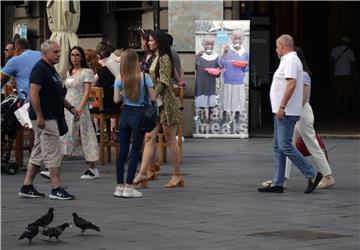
84 224
30 232
55 231
44 220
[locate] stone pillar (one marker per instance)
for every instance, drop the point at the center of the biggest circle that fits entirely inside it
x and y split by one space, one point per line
182 16
181 25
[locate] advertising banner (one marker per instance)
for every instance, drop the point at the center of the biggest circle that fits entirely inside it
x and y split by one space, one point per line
222 78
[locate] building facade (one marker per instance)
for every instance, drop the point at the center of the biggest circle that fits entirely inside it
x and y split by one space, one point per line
316 27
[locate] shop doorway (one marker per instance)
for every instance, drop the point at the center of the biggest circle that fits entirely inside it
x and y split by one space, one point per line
317 27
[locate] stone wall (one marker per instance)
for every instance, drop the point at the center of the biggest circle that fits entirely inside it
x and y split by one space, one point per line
181 25
182 16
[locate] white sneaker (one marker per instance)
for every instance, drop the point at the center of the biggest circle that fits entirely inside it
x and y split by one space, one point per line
131 193
119 191
45 174
90 174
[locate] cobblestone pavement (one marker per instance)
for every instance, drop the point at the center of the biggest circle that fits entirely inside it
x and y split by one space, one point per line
219 207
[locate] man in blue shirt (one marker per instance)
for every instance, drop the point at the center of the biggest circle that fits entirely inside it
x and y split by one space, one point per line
20 66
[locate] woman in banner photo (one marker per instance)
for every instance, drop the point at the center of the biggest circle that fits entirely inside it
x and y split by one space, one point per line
207 69
235 62
130 87
81 138
162 71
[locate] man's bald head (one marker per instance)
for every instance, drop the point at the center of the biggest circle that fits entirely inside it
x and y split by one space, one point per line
284 45
287 41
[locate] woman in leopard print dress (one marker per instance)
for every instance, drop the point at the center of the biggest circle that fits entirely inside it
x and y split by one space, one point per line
161 72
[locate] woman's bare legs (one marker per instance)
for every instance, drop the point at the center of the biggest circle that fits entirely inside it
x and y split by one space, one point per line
170 137
148 153
92 165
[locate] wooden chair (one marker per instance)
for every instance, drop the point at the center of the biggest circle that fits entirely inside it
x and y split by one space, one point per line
8 89
99 113
161 142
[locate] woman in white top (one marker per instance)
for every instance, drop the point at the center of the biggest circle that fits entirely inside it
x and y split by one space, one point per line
81 138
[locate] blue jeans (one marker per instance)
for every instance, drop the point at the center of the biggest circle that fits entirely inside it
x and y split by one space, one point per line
129 125
283 147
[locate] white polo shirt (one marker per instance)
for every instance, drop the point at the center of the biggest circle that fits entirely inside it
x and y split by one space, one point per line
290 67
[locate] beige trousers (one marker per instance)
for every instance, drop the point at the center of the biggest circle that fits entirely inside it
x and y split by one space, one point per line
305 128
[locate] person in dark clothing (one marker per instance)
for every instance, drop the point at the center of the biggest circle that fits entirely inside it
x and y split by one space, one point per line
46 109
106 79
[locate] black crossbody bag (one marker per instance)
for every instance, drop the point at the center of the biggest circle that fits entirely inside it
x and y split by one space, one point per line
149 113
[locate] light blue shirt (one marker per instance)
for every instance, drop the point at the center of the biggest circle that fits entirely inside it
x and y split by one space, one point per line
307 81
119 87
20 68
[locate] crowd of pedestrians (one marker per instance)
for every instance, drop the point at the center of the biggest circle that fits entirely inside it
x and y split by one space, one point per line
55 101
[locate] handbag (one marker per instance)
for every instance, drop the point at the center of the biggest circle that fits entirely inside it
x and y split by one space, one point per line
300 145
149 113
62 126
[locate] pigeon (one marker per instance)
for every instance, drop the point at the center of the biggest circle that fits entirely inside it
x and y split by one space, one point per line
84 224
55 231
44 220
30 232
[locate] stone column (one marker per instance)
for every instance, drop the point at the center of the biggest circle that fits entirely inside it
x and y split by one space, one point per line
182 16
181 25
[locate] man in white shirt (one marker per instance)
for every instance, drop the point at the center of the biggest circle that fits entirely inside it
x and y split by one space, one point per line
343 61
286 96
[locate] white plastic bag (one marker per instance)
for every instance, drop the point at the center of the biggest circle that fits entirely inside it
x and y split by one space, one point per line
113 64
22 115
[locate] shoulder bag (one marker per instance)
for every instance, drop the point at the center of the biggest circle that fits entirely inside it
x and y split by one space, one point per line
149 113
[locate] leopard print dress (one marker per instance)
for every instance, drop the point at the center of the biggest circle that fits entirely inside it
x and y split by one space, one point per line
170 110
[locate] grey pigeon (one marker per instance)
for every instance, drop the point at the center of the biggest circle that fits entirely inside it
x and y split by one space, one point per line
44 220
30 232
84 224
55 231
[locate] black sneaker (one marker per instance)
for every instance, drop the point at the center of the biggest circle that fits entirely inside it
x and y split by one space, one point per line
30 192
272 189
61 194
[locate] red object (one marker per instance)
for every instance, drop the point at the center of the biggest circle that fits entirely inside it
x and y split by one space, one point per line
300 145
240 64
96 104
213 71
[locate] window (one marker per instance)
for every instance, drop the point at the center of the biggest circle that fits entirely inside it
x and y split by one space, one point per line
90 19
